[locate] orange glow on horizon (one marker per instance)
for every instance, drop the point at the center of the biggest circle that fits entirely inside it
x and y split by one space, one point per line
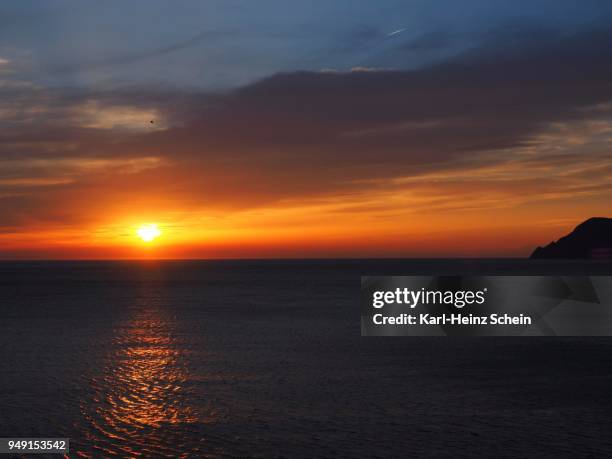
378 224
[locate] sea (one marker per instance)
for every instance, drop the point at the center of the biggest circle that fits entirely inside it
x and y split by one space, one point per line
255 358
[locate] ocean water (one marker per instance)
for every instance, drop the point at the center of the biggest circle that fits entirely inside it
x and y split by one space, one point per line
265 359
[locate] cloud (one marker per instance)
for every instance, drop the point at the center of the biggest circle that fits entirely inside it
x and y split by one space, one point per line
429 41
502 126
92 114
138 56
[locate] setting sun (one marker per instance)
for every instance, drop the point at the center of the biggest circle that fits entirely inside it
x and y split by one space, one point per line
148 232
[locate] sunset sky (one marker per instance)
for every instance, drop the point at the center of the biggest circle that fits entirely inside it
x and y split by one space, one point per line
301 129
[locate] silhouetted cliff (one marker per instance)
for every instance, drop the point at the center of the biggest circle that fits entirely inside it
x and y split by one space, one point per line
590 240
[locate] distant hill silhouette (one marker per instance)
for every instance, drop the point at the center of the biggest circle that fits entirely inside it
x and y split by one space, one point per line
591 239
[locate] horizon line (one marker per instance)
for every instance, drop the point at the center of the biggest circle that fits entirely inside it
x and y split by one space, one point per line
432 258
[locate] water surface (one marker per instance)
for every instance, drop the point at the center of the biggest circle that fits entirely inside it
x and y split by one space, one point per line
252 358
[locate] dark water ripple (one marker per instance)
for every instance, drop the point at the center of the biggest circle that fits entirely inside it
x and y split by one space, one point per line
221 359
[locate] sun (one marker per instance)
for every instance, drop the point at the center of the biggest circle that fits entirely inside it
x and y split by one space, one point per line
148 232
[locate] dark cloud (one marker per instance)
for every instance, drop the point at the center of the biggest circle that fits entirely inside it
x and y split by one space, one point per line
304 134
397 123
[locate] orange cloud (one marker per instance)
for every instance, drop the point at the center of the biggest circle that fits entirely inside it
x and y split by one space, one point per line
361 163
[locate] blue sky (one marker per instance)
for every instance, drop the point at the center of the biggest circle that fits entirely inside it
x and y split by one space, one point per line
214 44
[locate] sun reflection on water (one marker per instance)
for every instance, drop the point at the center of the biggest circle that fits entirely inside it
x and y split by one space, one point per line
141 396
149 379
